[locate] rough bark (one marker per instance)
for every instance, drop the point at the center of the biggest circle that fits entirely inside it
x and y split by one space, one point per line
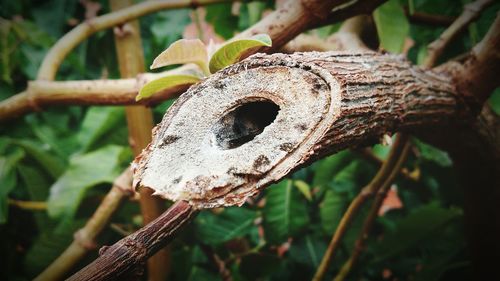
327 102
126 258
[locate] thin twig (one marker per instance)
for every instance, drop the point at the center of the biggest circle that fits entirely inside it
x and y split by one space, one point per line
369 221
367 192
84 238
470 13
28 205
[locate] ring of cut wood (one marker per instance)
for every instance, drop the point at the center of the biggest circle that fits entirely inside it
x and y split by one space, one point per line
184 162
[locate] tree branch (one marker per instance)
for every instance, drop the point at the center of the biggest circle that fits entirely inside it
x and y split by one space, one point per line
381 192
477 78
124 257
390 168
471 12
41 93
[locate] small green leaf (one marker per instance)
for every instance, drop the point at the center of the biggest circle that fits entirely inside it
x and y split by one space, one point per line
304 188
165 83
392 26
233 50
285 213
182 52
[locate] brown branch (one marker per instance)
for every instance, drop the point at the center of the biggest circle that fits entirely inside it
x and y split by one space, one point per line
41 94
68 42
479 75
389 167
381 193
294 17
350 9
85 237
125 257
140 124
470 13
367 154
476 156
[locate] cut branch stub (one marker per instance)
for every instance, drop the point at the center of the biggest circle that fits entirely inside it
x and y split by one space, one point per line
253 123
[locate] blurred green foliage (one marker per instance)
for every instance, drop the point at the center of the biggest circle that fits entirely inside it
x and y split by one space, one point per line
69 156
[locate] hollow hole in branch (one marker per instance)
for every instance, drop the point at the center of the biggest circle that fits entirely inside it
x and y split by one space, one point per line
244 123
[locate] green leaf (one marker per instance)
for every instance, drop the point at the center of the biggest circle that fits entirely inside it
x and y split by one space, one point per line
184 51
332 209
49 245
221 17
433 154
51 163
285 213
304 188
165 83
327 168
392 26
37 183
494 101
98 121
231 52
84 172
8 179
231 223
308 250
420 224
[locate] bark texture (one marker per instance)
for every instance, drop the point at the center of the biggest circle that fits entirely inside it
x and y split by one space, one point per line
324 102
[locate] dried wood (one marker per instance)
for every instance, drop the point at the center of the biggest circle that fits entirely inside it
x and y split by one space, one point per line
213 147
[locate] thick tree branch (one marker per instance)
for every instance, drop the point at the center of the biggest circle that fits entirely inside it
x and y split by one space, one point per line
349 99
126 256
